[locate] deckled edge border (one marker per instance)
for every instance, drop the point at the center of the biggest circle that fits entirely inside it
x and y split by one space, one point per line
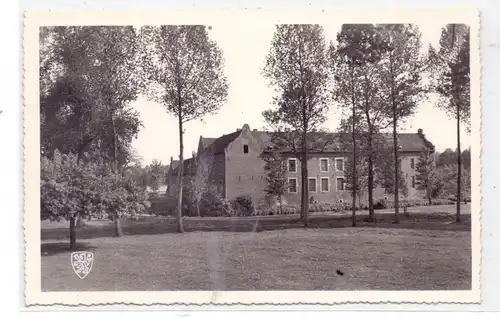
476 230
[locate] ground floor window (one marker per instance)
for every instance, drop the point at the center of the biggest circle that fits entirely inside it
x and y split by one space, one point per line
312 185
340 184
325 184
292 185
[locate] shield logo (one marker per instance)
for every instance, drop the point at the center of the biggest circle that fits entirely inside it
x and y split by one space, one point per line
82 262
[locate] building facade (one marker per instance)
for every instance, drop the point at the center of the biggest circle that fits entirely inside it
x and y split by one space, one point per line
237 167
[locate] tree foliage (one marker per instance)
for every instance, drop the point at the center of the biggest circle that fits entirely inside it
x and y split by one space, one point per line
71 190
199 182
451 80
88 76
402 65
276 176
296 66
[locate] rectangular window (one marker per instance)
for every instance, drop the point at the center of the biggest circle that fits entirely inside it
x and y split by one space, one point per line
413 181
325 184
312 185
412 162
292 185
292 165
339 164
340 184
245 149
323 164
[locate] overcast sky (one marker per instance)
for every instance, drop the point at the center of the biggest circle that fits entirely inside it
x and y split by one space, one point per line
245 48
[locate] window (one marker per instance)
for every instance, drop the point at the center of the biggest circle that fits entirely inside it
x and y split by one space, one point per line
325 184
339 164
312 184
412 162
340 184
292 185
245 149
292 165
413 181
323 164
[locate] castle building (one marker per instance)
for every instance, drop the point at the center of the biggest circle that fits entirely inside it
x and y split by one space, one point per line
237 167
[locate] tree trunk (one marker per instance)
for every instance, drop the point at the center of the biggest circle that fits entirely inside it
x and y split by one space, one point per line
354 164
118 228
180 228
354 177
396 166
305 189
430 200
371 210
459 162
281 204
118 225
72 233
198 208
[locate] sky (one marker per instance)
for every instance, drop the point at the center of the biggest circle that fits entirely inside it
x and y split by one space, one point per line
245 48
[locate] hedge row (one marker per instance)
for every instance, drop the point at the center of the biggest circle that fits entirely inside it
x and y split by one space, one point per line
215 206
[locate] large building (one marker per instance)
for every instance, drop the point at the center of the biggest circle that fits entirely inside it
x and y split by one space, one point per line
237 167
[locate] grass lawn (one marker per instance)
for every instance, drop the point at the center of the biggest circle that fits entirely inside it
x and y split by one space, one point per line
427 251
292 259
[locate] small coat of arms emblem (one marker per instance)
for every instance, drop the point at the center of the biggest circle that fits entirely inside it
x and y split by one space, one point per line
82 262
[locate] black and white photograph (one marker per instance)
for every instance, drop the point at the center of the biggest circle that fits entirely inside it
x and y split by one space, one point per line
253 152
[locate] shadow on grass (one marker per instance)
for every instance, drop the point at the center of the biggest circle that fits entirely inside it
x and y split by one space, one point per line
49 249
152 226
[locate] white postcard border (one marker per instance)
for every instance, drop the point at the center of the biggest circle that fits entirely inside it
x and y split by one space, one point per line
31 174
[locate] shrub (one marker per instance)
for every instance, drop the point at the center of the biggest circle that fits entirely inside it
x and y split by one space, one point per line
243 206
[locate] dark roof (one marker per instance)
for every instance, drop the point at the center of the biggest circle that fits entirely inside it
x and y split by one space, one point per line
207 141
409 142
220 144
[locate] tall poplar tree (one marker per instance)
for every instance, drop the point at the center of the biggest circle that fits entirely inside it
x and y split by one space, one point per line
451 80
401 83
297 68
185 69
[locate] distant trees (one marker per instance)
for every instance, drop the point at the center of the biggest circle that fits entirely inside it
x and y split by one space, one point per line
158 175
297 67
184 71
276 176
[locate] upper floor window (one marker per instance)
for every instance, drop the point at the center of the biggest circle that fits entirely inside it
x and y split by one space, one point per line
292 165
323 164
245 149
339 164
412 162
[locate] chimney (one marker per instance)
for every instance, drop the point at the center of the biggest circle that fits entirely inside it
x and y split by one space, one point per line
171 159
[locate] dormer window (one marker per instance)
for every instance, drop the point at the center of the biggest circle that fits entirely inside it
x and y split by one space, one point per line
245 149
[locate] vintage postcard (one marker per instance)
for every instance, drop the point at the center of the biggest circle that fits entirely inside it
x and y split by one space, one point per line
195 157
